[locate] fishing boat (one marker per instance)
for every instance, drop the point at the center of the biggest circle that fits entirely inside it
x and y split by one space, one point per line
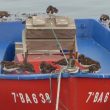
54 63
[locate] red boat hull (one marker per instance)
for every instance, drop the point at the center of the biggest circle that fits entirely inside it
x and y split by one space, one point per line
75 94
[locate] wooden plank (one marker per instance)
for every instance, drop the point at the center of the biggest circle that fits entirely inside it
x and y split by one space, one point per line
47 34
48 44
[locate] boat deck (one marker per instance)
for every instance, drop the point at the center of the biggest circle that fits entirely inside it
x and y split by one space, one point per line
94 45
89 47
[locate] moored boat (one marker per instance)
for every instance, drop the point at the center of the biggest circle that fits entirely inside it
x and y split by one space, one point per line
46 41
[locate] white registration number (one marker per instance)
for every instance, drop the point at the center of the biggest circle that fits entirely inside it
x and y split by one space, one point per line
98 97
30 99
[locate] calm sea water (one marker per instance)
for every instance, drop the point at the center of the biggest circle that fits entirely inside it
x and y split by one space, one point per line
73 8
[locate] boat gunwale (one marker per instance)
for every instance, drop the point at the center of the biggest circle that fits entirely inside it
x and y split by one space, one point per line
53 76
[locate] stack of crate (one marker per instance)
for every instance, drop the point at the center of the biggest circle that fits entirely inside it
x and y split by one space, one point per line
38 33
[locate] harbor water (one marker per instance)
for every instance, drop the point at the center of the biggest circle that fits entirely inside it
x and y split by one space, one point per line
72 8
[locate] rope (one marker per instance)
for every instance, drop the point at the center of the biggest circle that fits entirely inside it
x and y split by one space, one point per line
59 76
62 104
58 43
58 91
